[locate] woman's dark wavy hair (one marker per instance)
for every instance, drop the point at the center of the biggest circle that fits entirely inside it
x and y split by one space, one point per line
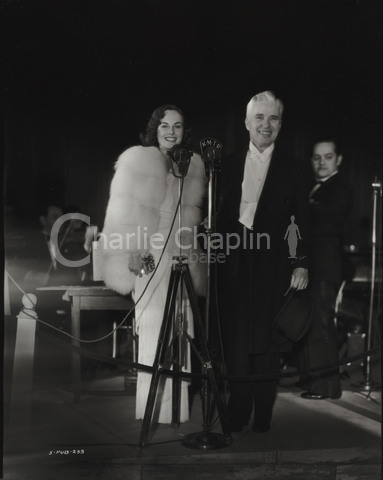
149 138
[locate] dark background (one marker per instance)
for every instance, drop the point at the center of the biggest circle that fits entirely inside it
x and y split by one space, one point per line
80 79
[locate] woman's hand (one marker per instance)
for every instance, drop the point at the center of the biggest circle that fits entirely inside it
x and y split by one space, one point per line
136 264
299 278
205 223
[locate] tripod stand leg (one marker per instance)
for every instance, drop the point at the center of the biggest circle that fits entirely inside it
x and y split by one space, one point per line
176 385
159 358
206 357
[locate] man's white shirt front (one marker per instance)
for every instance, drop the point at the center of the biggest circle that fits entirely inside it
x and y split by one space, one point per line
256 167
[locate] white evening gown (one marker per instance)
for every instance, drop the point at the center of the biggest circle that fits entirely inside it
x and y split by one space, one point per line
149 316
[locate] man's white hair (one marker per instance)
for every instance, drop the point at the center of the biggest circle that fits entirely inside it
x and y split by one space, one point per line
261 97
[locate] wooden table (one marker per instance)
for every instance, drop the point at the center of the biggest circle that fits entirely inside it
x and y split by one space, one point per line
87 298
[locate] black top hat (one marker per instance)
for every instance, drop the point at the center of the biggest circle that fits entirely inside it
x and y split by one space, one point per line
293 318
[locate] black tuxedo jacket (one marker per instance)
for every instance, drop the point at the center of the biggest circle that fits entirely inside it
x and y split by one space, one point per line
270 268
330 207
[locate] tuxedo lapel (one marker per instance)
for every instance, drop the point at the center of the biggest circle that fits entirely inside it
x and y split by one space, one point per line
237 178
272 185
321 192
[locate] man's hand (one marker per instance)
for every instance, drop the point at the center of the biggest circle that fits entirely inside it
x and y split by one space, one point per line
299 278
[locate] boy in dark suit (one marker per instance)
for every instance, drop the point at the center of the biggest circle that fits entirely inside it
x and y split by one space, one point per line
330 202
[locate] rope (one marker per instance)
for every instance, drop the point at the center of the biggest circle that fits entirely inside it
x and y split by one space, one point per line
250 378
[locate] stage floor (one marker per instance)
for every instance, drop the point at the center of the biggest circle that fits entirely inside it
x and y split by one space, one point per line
98 438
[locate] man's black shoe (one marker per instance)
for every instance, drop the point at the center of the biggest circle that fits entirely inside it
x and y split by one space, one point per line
313 396
261 429
237 426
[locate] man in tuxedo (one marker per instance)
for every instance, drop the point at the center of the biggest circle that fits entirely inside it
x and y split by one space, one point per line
260 191
330 202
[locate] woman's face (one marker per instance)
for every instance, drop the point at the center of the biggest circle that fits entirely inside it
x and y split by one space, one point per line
171 130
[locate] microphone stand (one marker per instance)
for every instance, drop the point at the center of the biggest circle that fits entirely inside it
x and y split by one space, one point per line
180 281
377 191
211 151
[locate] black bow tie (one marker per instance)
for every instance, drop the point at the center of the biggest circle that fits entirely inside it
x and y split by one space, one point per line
316 187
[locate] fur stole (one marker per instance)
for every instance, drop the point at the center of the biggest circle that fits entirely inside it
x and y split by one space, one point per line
138 189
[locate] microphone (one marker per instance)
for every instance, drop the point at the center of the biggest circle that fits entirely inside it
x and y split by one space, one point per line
211 151
180 155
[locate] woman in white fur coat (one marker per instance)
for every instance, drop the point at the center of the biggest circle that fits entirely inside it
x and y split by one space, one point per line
142 204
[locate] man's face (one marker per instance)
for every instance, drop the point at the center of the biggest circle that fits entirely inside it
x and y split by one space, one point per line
325 160
264 123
